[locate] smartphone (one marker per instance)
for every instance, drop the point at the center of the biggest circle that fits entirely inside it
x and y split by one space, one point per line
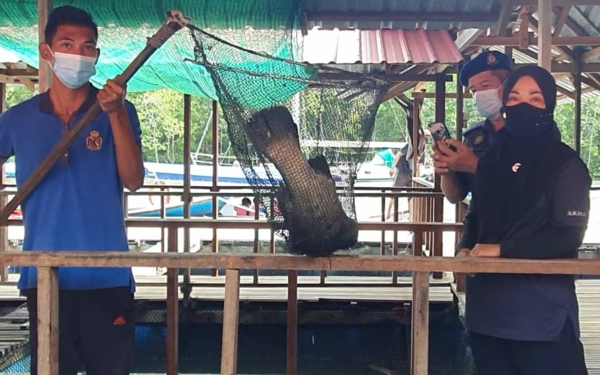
440 133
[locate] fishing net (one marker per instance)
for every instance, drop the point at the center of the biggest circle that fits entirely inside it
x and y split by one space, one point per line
299 133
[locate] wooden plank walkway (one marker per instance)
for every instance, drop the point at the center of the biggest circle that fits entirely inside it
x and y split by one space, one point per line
212 289
588 295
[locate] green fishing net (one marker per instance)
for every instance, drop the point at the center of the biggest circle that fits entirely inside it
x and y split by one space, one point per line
300 133
264 25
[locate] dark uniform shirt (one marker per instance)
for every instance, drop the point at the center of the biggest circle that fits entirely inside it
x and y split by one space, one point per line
535 307
478 138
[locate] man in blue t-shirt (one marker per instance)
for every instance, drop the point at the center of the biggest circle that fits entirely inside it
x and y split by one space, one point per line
79 205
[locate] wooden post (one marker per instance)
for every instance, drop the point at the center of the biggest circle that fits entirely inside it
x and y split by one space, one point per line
460 118
3 198
44 76
416 127
417 243
419 342
438 204
545 34
215 176
292 323
577 84
231 312
383 209
256 203
172 308
47 324
187 198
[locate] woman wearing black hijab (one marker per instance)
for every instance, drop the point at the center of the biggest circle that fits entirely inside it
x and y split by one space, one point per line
533 203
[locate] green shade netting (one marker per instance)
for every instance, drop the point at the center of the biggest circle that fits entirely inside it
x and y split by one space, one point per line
124 26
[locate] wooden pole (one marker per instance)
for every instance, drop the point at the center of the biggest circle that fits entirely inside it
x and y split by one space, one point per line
3 198
47 320
420 324
438 202
215 175
292 323
172 308
460 118
231 312
44 76
577 122
545 34
187 198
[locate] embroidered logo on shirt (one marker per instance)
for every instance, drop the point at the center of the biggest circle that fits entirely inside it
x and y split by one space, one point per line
478 139
576 213
93 142
515 168
119 321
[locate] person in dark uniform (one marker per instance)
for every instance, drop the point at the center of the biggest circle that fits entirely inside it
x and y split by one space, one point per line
532 203
484 76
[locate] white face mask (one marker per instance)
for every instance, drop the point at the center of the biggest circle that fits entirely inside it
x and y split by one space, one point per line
488 104
73 71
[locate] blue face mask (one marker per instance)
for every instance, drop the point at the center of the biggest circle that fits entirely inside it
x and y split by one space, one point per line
73 71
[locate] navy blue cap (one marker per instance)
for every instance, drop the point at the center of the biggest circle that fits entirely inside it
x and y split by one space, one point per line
487 60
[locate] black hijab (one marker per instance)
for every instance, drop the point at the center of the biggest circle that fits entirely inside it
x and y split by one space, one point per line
517 171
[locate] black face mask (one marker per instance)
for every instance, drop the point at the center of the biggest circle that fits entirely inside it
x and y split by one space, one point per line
524 120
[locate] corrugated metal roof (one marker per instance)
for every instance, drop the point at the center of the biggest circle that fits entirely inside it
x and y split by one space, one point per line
437 6
380 46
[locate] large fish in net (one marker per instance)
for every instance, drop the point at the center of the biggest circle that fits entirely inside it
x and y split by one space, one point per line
308 194
290 125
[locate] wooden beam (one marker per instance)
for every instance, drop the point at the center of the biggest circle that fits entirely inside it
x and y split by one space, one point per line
561 18
289 262
565 52
47 320
28 84
292 323
505 13
438 202
19 72
172 309
565 92
3 198
577 122
419 342
186 289
571 24
485 41
409 77
215 176
590 55
340 16
431 95
591 81
524 29
44 10
231 311
466 38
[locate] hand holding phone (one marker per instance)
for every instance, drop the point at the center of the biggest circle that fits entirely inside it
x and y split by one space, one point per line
440 133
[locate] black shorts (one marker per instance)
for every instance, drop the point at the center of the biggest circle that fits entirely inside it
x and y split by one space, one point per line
96 331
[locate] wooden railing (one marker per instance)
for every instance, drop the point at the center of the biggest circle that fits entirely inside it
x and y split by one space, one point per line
161 192
48 263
